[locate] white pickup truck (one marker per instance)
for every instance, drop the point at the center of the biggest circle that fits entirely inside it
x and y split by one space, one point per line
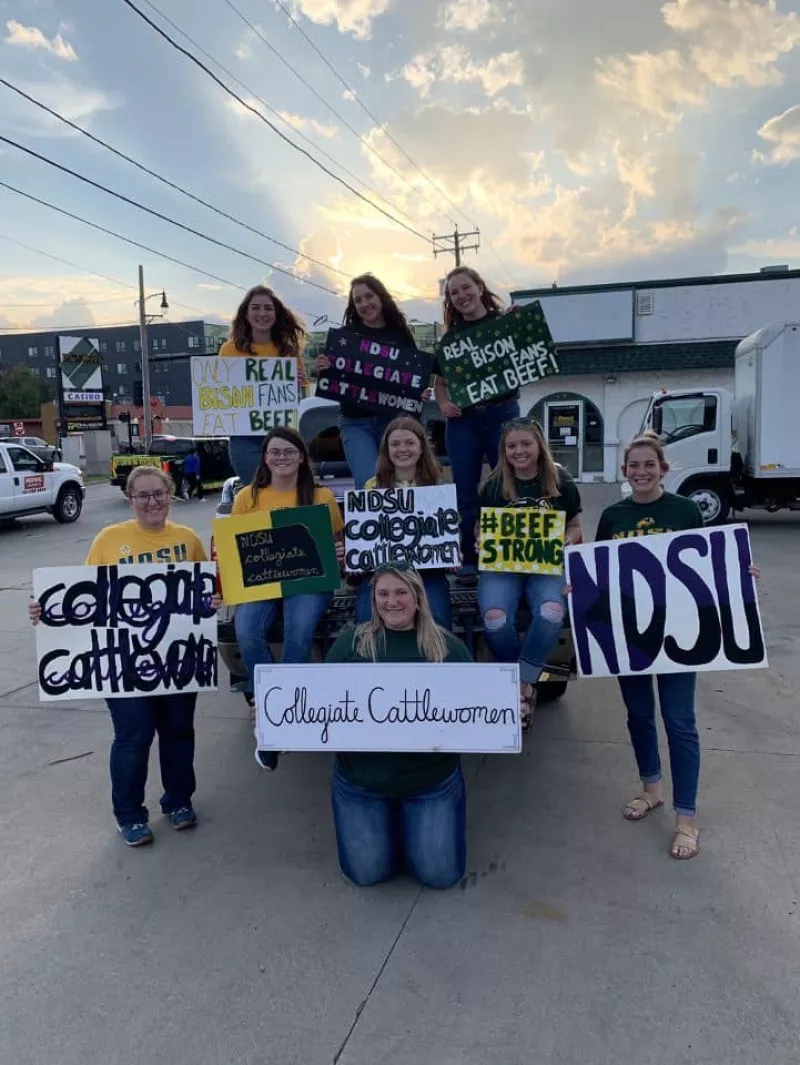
30 485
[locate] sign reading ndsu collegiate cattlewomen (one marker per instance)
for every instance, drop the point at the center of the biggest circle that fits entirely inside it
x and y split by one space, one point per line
244 396
522 540
380 377
498 356
665 603
415 526
275 554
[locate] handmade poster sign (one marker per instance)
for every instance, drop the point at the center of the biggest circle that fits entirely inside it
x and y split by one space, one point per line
123 631
461 707
380 377
243 396
522 540
665 603
415 526
498 357
276 554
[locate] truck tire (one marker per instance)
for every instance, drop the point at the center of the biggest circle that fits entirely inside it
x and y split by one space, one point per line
550 690
68 505
712 498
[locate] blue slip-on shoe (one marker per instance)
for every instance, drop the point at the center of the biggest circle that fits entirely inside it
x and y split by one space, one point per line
185 817
136 835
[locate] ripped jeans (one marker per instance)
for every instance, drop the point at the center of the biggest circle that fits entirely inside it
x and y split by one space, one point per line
499 596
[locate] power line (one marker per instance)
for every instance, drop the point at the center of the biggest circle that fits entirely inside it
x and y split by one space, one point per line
134 243
170 184
163 217
321 151
226 88
255 30
65 262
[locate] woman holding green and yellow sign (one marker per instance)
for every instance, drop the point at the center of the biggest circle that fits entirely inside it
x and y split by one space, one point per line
285 478
266 328
522 553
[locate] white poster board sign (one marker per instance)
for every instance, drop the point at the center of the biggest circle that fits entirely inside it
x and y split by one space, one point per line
125 631
665 604
461 707
243 395
417 526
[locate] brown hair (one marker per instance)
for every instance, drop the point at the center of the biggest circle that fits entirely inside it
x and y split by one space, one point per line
393 316
548 471
428 471
649 439
430 637
288 333
146 471
491 301
305 474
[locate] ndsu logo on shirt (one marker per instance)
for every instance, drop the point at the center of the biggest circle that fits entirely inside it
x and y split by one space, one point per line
644 527
531 502
173 553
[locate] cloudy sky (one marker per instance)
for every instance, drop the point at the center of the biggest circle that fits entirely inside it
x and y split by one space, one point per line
588 141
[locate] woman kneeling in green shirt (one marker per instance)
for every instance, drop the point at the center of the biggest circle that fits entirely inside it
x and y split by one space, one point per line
396 809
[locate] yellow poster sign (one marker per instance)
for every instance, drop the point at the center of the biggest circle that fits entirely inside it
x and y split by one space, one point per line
521 540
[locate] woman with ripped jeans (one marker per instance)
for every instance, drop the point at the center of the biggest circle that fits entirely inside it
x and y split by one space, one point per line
527 476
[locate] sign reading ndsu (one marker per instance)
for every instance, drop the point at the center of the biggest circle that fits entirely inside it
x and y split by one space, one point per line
522 540
379 377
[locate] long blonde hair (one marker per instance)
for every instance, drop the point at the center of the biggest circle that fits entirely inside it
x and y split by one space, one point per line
371 636
428 471
548 471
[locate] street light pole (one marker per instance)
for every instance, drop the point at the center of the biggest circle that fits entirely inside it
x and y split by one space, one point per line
147 416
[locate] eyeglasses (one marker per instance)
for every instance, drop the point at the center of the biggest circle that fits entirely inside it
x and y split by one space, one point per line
161 495
281 452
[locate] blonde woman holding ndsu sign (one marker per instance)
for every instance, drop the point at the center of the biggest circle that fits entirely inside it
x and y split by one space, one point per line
649 511
526 476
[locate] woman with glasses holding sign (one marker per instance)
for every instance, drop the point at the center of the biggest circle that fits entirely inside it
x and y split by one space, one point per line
406 460
152 538
373 313
526 476
285 478
266 328
472 434
649 511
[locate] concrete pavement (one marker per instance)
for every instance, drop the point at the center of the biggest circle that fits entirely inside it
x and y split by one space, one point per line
575 938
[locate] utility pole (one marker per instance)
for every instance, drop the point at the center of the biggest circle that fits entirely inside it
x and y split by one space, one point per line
147 416
453 243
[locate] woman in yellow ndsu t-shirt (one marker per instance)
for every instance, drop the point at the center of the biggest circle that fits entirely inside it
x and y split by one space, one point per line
149 537
285 478
266 328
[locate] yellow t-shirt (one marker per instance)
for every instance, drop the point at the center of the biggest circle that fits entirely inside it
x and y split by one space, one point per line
270 498
373 483
262 351
128 542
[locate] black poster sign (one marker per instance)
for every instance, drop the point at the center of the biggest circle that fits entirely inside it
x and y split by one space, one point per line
381 377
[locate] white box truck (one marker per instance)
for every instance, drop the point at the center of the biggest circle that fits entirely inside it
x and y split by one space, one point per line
736 452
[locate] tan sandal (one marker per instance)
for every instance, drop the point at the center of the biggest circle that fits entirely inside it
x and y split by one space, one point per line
686 838
640 807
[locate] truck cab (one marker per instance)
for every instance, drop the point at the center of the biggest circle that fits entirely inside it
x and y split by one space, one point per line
32 485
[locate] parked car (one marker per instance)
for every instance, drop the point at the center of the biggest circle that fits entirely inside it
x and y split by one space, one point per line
49 452
32 485
168 452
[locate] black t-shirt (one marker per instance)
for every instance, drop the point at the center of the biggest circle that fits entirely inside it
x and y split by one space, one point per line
668 513
385 335
530 494
460 330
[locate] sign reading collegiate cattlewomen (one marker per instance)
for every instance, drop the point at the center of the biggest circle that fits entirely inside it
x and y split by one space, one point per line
521 540
665 603
498 356
379 377
415 526
243 396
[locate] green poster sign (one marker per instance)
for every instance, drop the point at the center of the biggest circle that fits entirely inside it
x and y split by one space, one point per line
498 356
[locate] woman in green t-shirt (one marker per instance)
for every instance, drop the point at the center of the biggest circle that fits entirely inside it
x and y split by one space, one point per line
650 511
392 805
527 476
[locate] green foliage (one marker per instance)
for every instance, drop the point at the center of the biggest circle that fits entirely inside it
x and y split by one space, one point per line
21 392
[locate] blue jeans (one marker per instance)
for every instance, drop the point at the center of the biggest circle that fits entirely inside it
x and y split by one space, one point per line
470 439
427 832
437 589
361 438
676 696
245 453
253 622
502 592
136 721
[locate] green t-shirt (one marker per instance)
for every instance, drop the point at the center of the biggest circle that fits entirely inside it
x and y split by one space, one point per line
392 774
529 494
668 513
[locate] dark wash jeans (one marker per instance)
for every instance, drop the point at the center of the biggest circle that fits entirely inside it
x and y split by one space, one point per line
470 439
426 832
136 721
676 696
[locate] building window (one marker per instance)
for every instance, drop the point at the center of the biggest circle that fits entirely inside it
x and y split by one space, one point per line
103 345
35 370
122 367
137 346
50 371
33 353
49 351
163 345
154 342
119 345
194 342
